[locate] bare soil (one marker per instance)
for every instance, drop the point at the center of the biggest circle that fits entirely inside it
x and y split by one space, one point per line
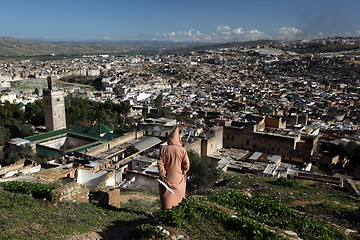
137 195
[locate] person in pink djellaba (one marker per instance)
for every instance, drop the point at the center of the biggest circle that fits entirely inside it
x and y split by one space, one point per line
173 165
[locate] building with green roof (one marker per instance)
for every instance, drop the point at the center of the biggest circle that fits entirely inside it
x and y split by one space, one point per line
79 139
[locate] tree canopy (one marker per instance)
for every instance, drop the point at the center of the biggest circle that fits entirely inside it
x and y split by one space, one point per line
26 152
17 120
203 172
87 112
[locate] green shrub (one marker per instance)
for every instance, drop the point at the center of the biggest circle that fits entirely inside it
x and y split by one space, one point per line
212 223
146 231
203 173
275 214
37 190
337 211
11 200
284 182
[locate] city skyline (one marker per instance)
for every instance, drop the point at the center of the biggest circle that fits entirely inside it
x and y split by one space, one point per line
185 21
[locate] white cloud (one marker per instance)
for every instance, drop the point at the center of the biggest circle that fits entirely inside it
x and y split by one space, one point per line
189 35
289 33
226 34
220 34
106 38
255 35
255 32
317 35
207 38
352 34
238 31
222 28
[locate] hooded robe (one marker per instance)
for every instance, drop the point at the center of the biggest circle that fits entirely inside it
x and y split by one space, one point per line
173 164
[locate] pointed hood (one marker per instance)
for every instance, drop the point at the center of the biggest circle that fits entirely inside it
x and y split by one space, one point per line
174 138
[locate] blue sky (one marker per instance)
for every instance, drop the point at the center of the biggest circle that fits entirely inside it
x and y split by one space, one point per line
181 20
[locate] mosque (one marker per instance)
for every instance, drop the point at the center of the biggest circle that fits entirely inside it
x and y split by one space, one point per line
84 144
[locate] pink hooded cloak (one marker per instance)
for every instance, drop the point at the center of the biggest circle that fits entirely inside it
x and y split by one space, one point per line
173 165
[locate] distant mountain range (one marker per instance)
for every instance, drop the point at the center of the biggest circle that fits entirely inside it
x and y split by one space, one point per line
10 46
13 47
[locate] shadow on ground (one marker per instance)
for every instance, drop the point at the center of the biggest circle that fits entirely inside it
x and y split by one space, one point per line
122 229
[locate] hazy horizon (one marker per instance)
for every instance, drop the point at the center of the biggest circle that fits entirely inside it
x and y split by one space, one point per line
185 21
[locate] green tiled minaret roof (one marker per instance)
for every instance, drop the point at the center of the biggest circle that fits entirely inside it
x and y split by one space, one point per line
99 129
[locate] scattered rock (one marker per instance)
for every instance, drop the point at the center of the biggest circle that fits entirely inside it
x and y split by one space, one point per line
248 194
350 232
107 197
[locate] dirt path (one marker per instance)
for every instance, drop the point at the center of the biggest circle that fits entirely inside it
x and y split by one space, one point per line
137 195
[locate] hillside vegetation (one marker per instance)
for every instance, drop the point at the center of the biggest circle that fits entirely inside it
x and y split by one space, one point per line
239 207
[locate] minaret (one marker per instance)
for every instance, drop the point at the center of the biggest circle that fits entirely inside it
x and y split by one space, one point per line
54 107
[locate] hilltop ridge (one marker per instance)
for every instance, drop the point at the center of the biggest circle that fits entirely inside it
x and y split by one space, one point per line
10 46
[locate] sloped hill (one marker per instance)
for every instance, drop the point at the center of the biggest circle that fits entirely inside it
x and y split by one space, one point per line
239 207
255 207
14 47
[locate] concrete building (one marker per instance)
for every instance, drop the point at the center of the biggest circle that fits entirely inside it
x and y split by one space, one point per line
54 107
10 97
255 135
160 127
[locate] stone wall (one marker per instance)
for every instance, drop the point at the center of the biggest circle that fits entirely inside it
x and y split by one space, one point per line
195 146
107 197
19 166
352 186
270 143
206 147
114 143
215 142
275 122
143 182
71 192
89 178
336 181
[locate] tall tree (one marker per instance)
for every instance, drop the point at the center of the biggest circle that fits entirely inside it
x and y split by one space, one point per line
87 112
4 135
26 152
34 113
203 173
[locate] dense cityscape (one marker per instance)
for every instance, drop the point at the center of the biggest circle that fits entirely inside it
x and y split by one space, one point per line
282 109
